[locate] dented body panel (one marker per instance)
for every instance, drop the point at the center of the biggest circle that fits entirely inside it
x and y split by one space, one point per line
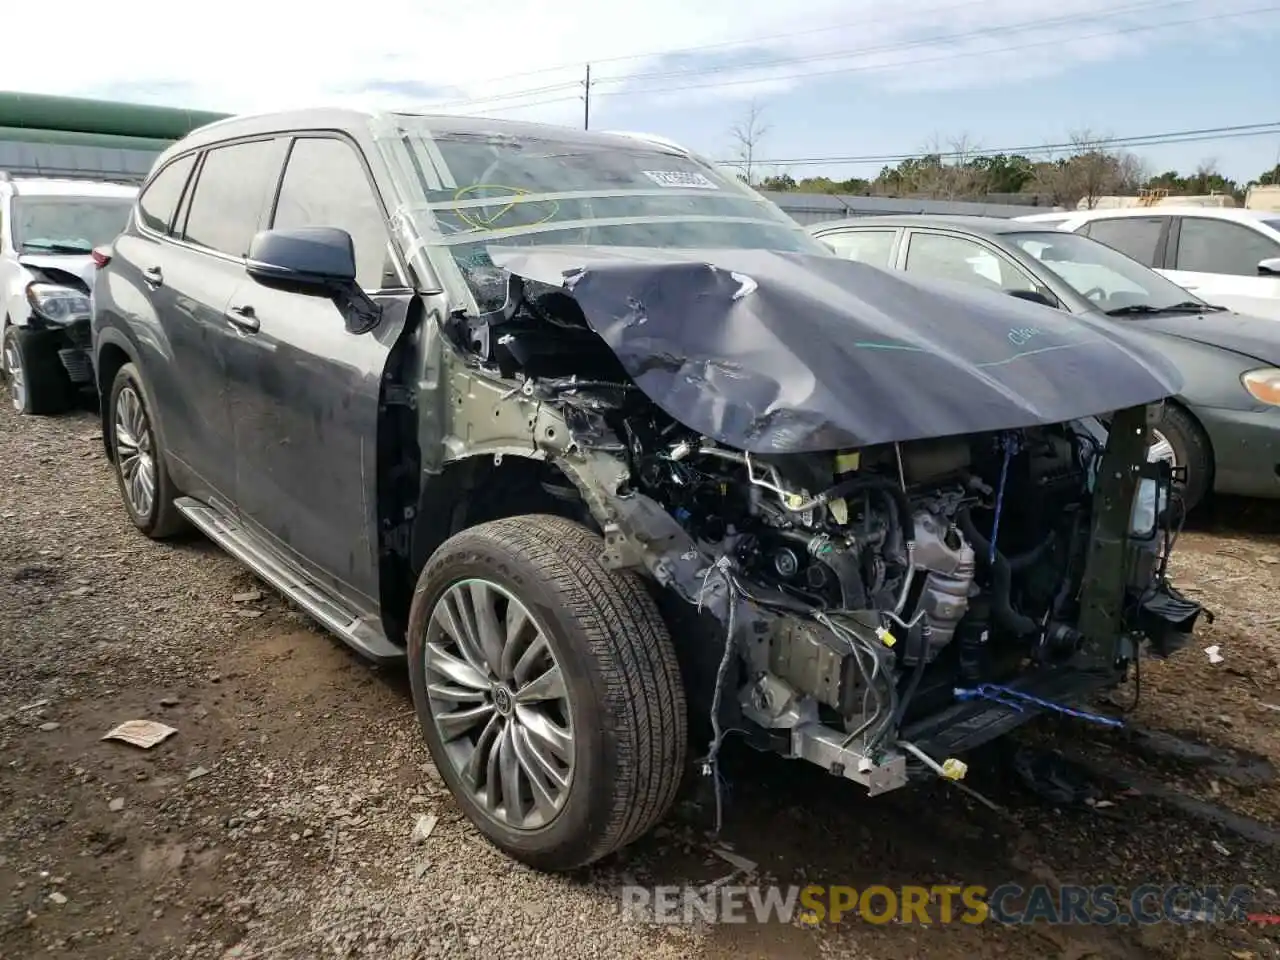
790 353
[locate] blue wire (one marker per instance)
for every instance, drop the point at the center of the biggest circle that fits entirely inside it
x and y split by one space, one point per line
1007 443
1014 700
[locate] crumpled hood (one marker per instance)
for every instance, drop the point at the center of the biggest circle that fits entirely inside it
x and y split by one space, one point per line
784 353
78 265
1252 336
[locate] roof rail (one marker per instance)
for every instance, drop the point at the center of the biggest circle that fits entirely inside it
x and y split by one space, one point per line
75 176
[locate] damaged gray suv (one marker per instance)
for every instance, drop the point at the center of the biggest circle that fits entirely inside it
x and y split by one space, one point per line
619 460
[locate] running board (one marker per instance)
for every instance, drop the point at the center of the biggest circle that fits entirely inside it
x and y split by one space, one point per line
232 536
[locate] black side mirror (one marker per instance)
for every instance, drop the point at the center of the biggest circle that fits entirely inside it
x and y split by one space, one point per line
1034 296
1270 267
314 259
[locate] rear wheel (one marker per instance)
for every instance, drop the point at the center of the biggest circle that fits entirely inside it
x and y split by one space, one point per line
547 689
37 382
141 473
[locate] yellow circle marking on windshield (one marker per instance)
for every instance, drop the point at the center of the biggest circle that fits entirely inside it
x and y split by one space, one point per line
482 223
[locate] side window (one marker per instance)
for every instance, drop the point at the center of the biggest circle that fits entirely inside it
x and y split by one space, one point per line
1217 246
325 186
1135 237
955 258
233 191
160 199
866 246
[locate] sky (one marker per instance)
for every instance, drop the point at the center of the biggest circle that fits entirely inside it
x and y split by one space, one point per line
827 78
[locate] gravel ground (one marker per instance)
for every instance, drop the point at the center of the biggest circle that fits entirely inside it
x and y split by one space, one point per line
277 822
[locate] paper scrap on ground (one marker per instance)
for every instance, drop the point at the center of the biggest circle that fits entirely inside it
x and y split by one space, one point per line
141 733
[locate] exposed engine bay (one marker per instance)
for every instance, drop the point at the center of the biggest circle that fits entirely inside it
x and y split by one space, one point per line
867 594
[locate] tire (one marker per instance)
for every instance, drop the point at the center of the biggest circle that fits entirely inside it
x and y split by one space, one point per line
1191 449
161 519
41 385
626 703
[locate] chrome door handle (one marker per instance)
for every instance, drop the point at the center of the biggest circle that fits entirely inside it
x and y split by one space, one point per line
153 276
244 318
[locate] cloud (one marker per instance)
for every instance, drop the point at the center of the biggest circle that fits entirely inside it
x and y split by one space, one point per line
255 55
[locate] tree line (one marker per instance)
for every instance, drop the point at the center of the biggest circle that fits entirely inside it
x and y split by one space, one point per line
1085 170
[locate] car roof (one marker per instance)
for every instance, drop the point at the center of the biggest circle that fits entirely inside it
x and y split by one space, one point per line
1180 210
990 226
332 118
51 187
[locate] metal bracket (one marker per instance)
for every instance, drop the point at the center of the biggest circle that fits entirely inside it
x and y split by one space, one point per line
1103 590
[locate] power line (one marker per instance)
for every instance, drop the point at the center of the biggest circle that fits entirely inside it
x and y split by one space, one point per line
724 68
745 41
1141 140
551 88
535 103
899 45
939 59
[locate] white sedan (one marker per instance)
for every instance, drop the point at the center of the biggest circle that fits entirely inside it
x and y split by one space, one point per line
1227 256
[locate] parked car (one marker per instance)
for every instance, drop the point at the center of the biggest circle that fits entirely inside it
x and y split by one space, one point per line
1225 255
601 443
48 229
1223 429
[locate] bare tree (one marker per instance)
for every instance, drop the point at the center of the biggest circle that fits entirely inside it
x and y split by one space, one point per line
1088 171
947 171
1205 175
747 133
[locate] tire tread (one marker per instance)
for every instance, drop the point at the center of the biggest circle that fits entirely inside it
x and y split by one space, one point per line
630 643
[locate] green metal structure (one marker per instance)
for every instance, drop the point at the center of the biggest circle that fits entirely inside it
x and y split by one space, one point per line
33 111
98 139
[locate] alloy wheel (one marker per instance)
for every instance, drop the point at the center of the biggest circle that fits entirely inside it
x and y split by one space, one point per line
499 704
135 457
1161 449
12 369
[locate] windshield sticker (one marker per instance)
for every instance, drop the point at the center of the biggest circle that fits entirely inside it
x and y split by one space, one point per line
680 178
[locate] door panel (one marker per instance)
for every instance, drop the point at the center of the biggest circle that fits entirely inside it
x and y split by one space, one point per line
189 383
304 397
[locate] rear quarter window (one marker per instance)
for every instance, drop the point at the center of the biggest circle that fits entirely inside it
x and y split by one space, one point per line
160 198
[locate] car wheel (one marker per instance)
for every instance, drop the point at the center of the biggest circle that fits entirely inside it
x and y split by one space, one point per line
37 382
141 473
547 689
1177 438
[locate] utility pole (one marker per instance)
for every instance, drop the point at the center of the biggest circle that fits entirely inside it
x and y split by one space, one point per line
586 100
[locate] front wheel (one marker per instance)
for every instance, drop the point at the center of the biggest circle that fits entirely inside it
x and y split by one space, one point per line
547 689
37 382
1178 439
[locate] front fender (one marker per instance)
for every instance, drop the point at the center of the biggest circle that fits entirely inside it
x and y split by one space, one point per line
13 289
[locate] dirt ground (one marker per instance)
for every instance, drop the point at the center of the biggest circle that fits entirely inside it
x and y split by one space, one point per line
277 822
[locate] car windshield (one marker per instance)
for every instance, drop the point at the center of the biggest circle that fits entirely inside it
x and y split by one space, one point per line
1273 224
489 188
1103 275
67 224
